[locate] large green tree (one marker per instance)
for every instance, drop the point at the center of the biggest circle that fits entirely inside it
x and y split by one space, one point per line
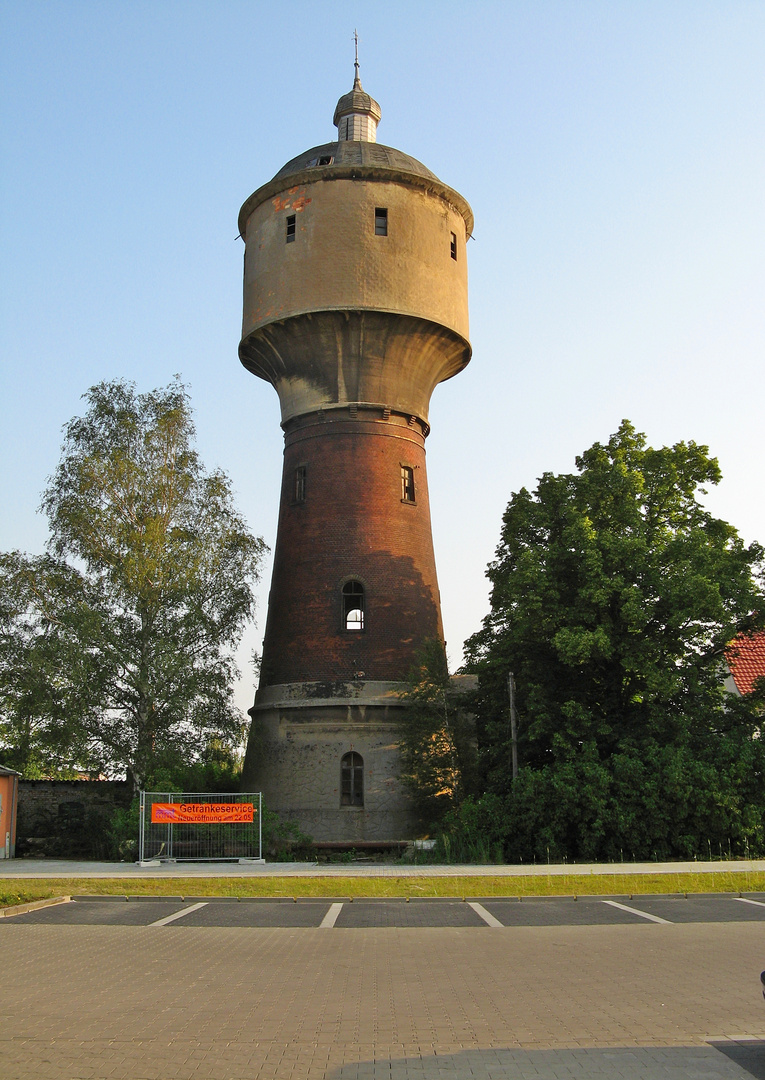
159 568
614 596
45 677
437 743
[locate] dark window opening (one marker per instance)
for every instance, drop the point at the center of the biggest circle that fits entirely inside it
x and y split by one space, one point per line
291 229
407 484
353 605
381 221
352 779
454 246
324 161
300 480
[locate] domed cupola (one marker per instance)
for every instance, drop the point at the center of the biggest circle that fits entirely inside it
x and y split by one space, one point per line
357 114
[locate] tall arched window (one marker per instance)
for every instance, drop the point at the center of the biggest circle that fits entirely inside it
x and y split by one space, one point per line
353 605
352 779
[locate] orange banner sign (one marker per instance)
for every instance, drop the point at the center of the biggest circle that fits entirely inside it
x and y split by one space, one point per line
214 813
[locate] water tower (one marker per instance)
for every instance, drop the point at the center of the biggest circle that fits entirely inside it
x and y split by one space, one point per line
355 308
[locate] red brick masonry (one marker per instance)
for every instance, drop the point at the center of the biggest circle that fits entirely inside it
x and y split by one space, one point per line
353 524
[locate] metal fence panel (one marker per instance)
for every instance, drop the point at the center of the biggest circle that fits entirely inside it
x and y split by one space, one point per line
192 826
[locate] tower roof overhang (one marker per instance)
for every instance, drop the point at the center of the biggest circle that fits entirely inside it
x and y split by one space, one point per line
357 161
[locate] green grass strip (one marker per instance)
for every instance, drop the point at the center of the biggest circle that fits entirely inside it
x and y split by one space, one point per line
23 890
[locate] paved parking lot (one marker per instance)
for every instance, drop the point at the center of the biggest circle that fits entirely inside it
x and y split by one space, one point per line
200 1001
181 912
194 988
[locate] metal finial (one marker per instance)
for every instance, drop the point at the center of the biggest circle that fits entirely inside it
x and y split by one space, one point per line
356 79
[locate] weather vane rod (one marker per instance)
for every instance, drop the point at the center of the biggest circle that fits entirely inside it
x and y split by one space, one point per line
356 60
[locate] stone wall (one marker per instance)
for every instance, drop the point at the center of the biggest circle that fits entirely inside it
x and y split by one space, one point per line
69 818
295 756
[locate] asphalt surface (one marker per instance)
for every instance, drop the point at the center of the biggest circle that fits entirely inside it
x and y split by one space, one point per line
339 913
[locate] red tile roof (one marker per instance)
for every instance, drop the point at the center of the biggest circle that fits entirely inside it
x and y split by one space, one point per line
746 660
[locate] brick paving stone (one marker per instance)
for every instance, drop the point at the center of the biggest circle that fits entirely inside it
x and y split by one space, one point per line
700 909
377 914
368 913
107 914
555 912
230 1003
260 914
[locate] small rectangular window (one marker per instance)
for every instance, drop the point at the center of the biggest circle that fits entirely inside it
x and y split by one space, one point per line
454 246
381 221
291 229
300 479
407 484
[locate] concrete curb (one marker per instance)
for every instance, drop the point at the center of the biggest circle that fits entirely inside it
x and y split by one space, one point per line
111 898
509 898
21 909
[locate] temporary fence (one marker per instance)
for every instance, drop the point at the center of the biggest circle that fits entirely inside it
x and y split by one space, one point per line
189 826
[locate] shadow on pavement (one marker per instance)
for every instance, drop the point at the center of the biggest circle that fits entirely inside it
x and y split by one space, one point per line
749 1055
734 1061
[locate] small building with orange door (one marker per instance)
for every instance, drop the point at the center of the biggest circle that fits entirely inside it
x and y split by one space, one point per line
9 800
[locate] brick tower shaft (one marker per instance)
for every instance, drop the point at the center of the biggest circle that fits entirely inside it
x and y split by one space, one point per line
354 507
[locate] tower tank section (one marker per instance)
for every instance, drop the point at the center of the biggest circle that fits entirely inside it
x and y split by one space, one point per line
355 308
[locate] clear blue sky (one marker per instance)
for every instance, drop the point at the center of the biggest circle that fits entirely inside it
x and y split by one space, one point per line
613 153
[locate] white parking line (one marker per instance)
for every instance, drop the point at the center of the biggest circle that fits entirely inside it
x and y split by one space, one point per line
482 913
330 918
635 911
746 900
179 914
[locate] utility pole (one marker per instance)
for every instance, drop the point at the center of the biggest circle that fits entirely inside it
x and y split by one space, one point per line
513 724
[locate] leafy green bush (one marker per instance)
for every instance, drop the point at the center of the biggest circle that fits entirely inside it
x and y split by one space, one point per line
657 804
284 841
123 832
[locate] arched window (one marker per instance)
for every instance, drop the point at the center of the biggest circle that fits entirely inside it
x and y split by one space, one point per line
353 605
352 779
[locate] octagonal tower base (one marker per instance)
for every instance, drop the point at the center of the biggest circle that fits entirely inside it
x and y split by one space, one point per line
300 734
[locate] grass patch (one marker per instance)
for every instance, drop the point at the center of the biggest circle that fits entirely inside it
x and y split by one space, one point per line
25 889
